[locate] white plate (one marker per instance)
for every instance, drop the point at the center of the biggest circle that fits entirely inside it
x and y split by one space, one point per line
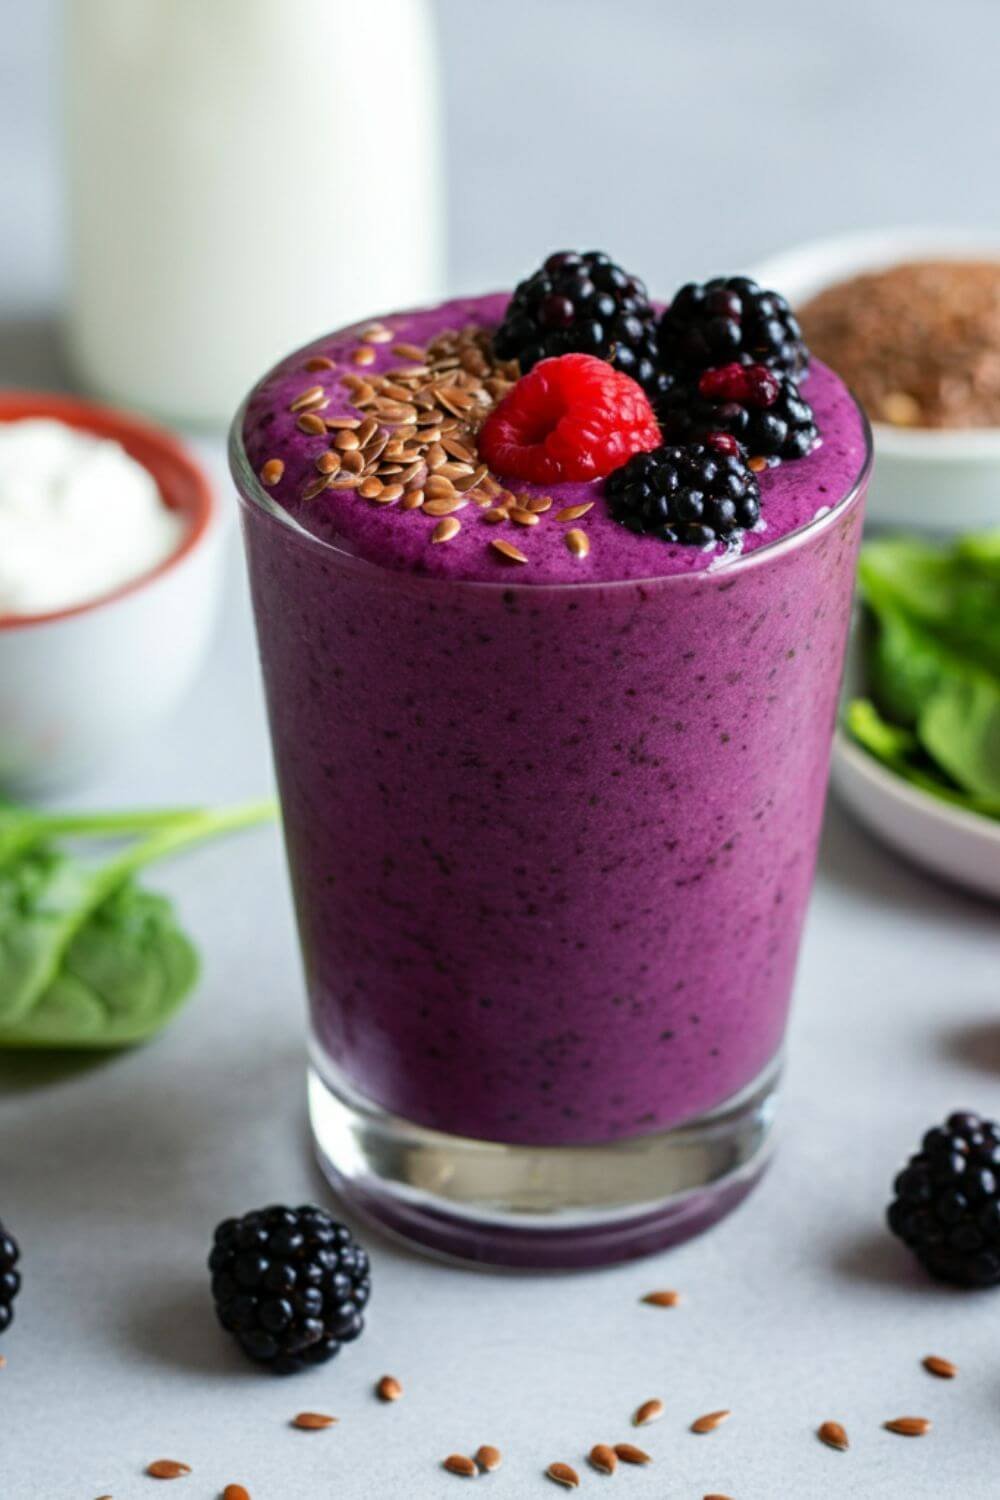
960 846
937 480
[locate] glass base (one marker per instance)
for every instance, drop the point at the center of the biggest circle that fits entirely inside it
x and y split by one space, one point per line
550 1207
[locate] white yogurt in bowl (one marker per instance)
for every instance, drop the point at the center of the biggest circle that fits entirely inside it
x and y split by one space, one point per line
109 579
79 517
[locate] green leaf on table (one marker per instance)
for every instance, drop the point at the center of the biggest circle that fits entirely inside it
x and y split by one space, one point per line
40 893
88 958
123 975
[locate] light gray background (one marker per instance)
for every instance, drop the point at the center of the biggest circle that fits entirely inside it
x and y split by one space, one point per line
685 137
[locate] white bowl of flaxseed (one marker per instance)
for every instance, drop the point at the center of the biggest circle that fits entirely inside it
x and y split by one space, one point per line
910 318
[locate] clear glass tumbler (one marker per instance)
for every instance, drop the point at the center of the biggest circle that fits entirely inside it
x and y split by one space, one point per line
551 849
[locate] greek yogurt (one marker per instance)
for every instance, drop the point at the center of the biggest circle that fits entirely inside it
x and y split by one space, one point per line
78 517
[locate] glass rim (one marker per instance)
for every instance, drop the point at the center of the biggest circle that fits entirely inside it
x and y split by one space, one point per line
252 493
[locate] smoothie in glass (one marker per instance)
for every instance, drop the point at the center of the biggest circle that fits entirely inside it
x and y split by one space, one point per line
551 824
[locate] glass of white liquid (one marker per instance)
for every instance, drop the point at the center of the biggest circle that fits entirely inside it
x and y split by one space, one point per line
242 174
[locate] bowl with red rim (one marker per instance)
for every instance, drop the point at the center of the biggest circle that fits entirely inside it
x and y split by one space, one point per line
79 684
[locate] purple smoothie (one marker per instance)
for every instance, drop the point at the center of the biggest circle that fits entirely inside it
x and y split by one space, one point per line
551 828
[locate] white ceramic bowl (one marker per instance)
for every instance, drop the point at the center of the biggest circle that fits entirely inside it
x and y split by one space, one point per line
943 481
80 684
958 845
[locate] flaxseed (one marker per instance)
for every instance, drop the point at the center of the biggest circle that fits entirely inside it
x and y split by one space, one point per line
630 1454
312 423
508 551
649 1411
908 1426
444 505
603 1458
710 1421
316 486
308 398
834 1435
313 1421
459 1463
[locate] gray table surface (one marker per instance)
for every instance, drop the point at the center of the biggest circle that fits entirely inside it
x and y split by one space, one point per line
799 1307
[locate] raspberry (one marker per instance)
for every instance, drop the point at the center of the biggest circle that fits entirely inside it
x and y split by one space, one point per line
570 418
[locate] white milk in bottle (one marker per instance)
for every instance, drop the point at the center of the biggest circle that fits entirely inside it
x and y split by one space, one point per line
242 175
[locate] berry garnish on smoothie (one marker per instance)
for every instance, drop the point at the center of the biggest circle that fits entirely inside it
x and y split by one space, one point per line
583 304
570 418
449 441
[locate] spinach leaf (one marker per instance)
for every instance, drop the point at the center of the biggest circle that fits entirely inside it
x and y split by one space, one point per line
40 893
982 551
901 752
905 667
954 593
124 973
887 742
959 727
87 957
933 666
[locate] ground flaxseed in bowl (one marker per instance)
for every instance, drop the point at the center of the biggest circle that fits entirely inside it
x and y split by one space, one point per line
918 342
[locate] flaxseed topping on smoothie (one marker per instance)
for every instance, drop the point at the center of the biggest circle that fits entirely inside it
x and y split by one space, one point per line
572 432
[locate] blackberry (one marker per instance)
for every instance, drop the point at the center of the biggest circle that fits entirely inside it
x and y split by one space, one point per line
765 412
583 304
290 1285
730 318
698 494
10 1278
947 1203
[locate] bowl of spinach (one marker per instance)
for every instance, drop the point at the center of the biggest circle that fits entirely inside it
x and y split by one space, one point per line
917 756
